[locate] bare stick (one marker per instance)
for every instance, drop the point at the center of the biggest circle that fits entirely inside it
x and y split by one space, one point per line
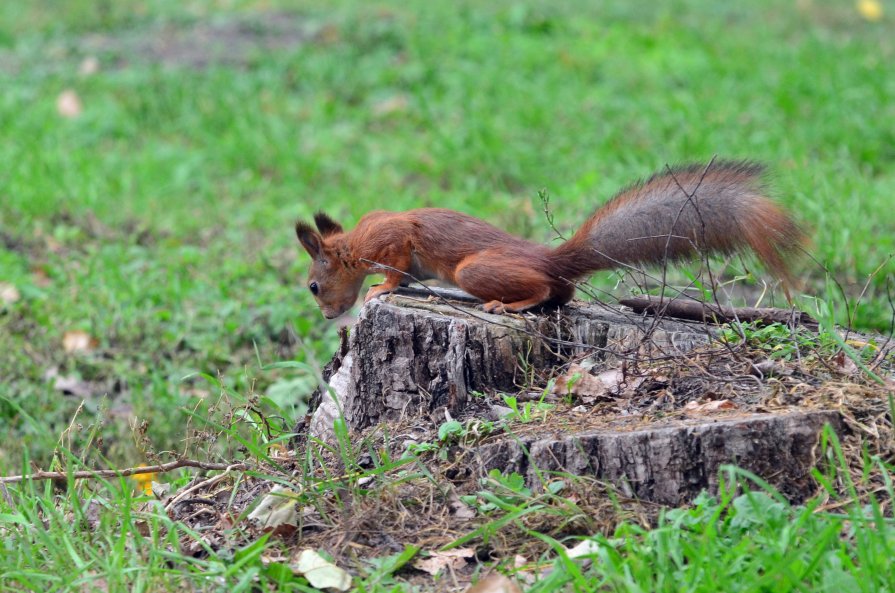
130 471
203 484
545 202
699 311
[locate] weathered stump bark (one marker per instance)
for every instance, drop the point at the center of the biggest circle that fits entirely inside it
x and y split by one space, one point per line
673 464
408 354
411 356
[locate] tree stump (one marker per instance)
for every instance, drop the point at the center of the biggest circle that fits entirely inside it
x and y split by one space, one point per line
410 355
673 464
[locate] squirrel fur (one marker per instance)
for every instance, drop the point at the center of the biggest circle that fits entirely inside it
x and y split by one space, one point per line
715 208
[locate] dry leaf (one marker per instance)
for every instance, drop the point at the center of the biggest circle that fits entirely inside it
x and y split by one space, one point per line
93 582
68 104
161 490
495 583
144 481
871 10
769 368
861 344
271 556
276 508
89 66
72 385
328 34
9 294
78 341
143 527
587 547
394 104
196 392
320 572
40 277
438 561
608 384
845 364
710 406
461 510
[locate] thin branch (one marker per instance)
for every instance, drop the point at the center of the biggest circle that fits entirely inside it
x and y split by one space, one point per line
854 313
545 202
130 471
203 484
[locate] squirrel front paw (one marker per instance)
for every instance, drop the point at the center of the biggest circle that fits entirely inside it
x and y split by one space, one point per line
495 307
375 291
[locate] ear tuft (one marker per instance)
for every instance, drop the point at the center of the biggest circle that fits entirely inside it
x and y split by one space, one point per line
326 225
309 238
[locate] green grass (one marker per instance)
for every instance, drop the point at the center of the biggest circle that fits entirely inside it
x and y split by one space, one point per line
98 536
159 221
195 176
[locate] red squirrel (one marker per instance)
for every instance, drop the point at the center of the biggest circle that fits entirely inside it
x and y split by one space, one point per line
717 208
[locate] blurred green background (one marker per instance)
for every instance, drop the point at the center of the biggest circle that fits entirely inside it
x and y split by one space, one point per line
155 156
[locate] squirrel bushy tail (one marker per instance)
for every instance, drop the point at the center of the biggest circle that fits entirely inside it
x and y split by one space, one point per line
719 208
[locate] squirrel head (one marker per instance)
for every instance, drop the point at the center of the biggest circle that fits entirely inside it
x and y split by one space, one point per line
334 282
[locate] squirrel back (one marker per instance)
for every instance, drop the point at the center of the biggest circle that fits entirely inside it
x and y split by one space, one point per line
719 208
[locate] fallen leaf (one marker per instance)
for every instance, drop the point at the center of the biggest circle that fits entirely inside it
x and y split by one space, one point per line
461 510
144 481
89 66
438 561
71 385
143 527
845 364
716 405
769 368
272 556
328 34
161 490
320 572
497 412
196 392
393 104
9 294
871 10
95 508
68 104
40 277
78 341
860 344
587 547
495 583
276 508
93 582
608 384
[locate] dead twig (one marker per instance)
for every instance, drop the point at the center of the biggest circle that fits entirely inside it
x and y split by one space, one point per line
204 484
699 311
130 471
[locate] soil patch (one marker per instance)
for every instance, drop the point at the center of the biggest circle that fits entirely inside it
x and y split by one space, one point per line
231 41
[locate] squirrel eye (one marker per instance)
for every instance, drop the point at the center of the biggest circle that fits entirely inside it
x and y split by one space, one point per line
314 288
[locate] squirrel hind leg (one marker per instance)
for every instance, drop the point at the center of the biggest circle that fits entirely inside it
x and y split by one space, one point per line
505 283
515 307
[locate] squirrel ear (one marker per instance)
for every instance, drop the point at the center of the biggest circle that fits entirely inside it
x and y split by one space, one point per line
309 238
326 225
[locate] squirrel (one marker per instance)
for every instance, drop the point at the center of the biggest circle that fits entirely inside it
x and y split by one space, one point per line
715 208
